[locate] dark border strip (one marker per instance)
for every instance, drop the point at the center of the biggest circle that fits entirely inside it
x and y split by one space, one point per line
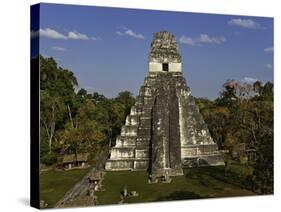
34 107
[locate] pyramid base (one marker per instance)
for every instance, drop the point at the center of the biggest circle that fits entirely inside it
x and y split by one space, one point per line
203 160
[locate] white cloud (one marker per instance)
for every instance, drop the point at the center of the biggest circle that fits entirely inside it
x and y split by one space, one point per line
58 48
134 35
269 66
269 49
50 33
249 80
53 34
130 33
202 39
77 36
187 40
245 23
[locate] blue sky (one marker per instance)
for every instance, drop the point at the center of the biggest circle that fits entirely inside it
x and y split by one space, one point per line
107 48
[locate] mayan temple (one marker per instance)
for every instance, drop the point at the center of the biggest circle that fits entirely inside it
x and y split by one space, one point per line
164 131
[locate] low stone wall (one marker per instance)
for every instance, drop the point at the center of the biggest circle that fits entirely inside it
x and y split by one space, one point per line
119 165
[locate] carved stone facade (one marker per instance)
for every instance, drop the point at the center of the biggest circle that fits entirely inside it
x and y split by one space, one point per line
164 130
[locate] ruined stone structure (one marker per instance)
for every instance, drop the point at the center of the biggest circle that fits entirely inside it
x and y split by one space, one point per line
164 130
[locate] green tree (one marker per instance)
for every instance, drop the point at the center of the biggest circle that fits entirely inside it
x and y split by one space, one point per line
110 117
250 122
51 112
84 134
56 101
126 99
217 119
263 166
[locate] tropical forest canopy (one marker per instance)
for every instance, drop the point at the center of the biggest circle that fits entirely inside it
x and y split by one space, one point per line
74 122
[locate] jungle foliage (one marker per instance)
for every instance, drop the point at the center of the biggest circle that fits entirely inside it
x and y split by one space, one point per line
242 116
74 121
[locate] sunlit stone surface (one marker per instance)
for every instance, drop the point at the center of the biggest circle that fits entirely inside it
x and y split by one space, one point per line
164 130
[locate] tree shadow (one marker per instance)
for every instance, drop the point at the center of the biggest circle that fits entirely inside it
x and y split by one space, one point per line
180 195
218 173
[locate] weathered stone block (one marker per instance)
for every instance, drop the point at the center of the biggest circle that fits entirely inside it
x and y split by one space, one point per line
142 153
141 164
122 153
118 165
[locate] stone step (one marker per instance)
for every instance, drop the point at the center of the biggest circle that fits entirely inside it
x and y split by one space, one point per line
141 164
132 120
146 111
203 160
195 150
125 141
129 130
145 121
144 141
145 91
143 145
142 153
122 153
144 132
118 165
145 138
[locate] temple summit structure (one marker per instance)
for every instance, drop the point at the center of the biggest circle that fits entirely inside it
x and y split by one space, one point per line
164 131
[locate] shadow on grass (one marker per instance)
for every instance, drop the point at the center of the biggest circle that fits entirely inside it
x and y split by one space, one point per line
203 174
180 195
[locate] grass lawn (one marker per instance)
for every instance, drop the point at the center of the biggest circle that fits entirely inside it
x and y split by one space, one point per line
54 184
203 182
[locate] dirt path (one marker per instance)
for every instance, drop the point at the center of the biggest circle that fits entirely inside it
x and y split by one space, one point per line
80 190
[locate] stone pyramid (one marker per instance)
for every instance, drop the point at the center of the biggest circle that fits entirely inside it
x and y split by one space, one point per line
164 131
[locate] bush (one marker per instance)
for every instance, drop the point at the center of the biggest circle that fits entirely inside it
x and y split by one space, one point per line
49 159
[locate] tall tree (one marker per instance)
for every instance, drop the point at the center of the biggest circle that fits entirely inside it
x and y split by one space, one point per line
84 134
126 99
56 97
